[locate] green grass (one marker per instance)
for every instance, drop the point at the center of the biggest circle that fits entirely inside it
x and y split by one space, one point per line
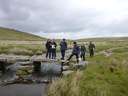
36 48
20 43
106 43
105 39
10 34
22 49
104 76
120 50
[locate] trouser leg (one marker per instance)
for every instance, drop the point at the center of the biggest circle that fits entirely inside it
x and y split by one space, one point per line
77 57
47 53
50 53
70 56
83 57
91 53
63 54
53 53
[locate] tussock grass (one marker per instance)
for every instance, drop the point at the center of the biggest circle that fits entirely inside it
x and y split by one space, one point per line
22 49
66 86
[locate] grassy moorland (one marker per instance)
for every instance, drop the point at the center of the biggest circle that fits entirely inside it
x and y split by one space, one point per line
11 34
19 43
105 75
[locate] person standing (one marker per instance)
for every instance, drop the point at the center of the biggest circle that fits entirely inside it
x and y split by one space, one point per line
53 49
48 48
75 51
63 48
82 51
91 49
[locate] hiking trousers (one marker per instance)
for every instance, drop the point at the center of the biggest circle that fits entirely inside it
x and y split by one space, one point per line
48 53
62 54
82 56
53 52
74 54
91 51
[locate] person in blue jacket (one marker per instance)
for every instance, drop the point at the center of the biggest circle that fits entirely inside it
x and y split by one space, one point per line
75 51
63 48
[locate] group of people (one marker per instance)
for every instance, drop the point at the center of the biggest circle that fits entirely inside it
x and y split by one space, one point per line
51 49
78 51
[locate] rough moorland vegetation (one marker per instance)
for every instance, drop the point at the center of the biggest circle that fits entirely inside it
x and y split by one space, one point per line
105 75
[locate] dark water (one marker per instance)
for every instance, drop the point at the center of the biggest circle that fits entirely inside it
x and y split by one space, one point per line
23 90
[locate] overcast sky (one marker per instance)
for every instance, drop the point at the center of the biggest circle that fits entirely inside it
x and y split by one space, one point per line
71 19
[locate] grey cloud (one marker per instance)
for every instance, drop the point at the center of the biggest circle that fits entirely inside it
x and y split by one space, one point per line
54 16
45 17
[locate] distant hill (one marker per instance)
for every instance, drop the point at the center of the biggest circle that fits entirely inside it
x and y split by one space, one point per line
11 34
105 39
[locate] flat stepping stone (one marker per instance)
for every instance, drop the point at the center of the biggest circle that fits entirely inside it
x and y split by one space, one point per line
37 58
65 68
41 58
66 73
51 69
25 63
80 65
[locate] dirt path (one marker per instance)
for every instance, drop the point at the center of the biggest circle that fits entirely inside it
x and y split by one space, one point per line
109 52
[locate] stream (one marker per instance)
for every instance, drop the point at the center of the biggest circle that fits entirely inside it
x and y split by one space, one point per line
36 88
38 84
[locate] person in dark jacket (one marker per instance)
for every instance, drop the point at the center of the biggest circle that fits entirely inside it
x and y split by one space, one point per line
82 51
63 48
48 48
75 51
53 49
91 49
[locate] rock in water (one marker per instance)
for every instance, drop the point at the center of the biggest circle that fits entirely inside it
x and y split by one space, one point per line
80 65
65 68
14 67
66 73
51 69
